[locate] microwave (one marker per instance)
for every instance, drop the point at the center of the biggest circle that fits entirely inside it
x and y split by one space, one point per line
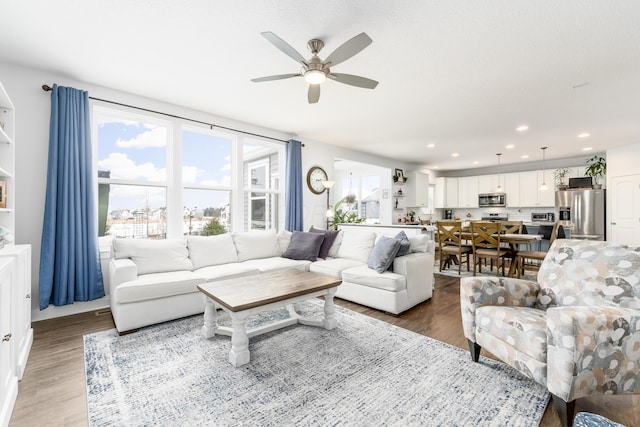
492 200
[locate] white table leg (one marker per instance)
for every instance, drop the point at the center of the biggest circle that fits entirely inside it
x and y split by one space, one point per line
210 318
239 354
330 320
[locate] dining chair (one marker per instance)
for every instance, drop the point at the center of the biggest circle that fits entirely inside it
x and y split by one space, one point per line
532 259
450 244
510 227
485 237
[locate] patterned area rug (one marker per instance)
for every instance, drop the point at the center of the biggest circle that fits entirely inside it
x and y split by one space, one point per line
365 372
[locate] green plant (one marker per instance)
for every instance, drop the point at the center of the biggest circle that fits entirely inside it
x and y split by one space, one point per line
596 167
341 216
213 227
560 174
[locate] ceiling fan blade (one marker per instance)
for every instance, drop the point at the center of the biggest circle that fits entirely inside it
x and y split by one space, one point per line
350 79
348 49
314 94
276 77
284 47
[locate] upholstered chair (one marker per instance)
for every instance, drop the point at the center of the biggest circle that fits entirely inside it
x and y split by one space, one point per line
576 330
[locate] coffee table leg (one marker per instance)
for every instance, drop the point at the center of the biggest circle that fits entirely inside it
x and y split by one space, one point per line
330 320
239 354
210 318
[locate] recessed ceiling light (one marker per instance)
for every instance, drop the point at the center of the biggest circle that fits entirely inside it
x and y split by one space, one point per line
584 135
587 149
509 146
524 156
435 167
522 128
431 145
455 155
476 162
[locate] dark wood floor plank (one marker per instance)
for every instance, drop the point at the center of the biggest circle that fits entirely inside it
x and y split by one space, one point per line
53 393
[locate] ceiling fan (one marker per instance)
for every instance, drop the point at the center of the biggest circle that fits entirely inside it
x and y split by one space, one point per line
314 70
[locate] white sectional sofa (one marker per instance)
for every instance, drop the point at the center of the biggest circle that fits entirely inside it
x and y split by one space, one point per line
152 281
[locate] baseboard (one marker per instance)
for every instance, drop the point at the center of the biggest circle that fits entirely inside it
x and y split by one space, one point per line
52 312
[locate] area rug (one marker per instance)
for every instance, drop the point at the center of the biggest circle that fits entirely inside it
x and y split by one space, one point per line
365 372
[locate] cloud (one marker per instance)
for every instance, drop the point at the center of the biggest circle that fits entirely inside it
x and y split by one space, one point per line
122 167
227 165
156 137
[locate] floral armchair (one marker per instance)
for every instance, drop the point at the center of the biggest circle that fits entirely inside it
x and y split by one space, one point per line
576 330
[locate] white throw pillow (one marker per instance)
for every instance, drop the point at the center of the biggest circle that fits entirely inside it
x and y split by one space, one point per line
154 256
333 251
256 244
418 243
284 239
357 245
211 250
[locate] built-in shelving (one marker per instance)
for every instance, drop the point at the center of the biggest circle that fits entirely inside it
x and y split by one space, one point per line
7 161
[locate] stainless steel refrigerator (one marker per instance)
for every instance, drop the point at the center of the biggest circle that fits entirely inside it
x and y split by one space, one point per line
585 209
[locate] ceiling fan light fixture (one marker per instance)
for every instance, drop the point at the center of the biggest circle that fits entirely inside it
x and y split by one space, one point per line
315 77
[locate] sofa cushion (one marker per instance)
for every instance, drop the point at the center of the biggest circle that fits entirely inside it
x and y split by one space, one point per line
154 256
226 271
365 276
357 245
383 254
256 244
304 246
334 266
157 285
211 250
418 243
284 238
277 263
333 250
329 238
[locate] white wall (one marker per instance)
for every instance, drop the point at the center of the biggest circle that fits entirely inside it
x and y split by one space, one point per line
32 104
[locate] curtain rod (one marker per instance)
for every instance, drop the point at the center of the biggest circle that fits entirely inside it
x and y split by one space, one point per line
48 88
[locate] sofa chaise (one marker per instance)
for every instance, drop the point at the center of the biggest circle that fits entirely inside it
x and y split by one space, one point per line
153 281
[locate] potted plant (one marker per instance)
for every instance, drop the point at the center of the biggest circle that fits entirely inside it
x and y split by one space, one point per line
412 215
560 175
596 167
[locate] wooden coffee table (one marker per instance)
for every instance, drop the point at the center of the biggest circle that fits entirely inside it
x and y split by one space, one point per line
245 296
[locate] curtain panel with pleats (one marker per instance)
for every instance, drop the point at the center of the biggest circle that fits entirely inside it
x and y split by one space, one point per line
293 187
70 257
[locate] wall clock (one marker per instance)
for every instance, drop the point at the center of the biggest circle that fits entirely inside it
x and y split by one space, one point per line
315 177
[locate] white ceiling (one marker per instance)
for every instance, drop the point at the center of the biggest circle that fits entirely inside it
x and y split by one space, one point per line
459 74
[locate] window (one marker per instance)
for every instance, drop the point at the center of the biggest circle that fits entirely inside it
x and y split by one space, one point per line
163 177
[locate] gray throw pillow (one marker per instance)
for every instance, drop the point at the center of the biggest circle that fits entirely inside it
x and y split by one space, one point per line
329 238
304 246
405 244
383 254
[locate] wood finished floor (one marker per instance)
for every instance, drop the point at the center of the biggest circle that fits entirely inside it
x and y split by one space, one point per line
52 392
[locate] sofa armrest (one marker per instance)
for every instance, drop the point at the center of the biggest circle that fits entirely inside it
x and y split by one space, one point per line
592 350
120 271
418 271
476 292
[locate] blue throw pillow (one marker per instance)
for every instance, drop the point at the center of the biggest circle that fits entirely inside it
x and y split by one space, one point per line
304 246
383 254
405 244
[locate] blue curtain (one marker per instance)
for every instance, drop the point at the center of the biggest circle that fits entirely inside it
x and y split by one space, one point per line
293 187
69 257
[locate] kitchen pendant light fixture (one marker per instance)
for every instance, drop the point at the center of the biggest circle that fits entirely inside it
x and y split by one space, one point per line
544 183
499 187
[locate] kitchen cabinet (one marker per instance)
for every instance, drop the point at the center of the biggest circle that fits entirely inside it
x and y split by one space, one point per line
530 193
512 189
489 183
417 190
446 194
468 192
546 198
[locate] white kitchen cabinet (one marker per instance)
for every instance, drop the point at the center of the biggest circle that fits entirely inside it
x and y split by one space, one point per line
8 377
528 189
446 193
468 192
546 198
489 183
512 189
417 189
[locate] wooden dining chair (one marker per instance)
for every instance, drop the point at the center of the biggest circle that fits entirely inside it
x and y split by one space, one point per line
510 227
531 260
486 244
450 244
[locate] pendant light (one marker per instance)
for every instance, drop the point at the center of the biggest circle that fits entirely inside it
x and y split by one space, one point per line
499 187
544 183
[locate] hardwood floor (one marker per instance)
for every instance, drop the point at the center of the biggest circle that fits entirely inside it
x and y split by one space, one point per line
52 392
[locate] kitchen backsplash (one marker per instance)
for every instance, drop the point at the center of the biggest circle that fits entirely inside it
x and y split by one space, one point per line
514 214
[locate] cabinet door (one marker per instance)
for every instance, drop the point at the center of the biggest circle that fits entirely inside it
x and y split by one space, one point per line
528 188
8 379
468 192
451 193
512 189
440 192
421 190
546 198
487 183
